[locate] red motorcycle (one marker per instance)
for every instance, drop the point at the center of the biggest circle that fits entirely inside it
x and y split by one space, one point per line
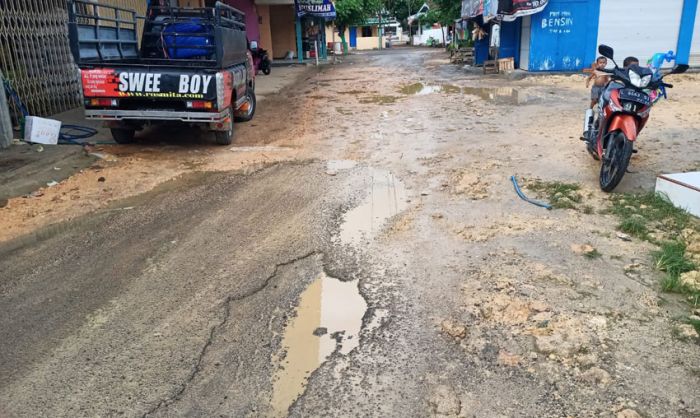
261 60
623 111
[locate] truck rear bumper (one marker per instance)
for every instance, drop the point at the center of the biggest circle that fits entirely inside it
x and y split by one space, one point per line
166 115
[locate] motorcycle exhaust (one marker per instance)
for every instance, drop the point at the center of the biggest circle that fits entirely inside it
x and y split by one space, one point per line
588 121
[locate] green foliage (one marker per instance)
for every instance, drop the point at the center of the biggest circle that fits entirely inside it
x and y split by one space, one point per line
592 255
635 226
671 258
641 212
355 12
401 9
444 12
560 195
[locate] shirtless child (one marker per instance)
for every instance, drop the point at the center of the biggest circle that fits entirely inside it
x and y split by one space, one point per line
599 80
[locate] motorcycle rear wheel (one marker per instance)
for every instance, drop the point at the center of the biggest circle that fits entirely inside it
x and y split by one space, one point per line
615 161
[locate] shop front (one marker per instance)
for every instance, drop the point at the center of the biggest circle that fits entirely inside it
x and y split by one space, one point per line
311 20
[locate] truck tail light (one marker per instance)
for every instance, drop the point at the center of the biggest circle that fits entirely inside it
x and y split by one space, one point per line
102 102
200 104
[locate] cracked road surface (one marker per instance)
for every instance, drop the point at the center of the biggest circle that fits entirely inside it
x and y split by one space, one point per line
217 294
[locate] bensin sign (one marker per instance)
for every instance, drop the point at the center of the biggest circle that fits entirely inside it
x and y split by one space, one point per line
315 8
109 83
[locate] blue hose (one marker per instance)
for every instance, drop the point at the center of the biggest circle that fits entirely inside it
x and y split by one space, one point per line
525 198
70 134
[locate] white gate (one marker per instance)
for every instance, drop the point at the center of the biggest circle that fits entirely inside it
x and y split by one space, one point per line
639 28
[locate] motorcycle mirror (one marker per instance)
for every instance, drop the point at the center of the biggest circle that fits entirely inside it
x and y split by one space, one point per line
606 51
679 69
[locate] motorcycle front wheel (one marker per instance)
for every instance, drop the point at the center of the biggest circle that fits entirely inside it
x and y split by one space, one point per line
266 68
615 161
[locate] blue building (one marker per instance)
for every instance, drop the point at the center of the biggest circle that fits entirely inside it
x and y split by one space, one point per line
565 35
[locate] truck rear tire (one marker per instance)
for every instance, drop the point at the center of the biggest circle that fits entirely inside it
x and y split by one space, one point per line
123 136
224 137
252 105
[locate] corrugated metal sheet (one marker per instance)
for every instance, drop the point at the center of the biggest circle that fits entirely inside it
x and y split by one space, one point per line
35 55
639 28
562 37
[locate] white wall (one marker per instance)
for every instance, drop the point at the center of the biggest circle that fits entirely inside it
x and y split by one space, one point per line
639 27
427 33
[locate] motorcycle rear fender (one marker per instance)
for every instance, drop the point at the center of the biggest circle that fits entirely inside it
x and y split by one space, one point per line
625 123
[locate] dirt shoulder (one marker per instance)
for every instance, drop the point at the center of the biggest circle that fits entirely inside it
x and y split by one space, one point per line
97 178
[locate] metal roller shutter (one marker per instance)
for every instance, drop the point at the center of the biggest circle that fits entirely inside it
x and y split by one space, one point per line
639 27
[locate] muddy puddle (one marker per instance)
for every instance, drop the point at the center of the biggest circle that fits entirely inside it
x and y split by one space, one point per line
264 148
386 197
328 319
498 95
338 165
420 89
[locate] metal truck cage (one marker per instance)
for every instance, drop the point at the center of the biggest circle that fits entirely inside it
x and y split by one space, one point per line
107 35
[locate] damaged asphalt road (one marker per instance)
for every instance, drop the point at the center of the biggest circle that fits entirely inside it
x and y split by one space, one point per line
369 259
173 307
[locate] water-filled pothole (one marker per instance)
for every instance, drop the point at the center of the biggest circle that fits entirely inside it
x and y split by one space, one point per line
386 197
328 319
498 95
421 89
338 165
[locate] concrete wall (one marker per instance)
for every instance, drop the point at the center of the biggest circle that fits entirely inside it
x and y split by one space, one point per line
251 17
369 43
265 29
283 31
422 39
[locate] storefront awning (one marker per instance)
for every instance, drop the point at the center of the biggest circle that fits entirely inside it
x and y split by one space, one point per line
508 10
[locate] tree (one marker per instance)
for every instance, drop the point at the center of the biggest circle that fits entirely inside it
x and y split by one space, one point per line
354 13
444 12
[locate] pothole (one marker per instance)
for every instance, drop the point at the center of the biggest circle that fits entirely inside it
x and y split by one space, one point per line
420 89
498 95
386 197
338 165
328 319
264 148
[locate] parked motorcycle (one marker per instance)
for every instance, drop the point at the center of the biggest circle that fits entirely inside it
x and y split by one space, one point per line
623 111
261 60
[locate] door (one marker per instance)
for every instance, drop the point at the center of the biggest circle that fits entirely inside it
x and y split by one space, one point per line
562 36
640 28
510 41
353 37
525 43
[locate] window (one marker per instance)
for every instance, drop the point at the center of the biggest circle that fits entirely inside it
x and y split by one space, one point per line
366 31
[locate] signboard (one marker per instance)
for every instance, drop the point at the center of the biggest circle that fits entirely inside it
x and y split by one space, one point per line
472 8
508 9
562 37
315 8
111 83
512 9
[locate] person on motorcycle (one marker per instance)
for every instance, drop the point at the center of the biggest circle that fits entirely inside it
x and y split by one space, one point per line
604 93
599 80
